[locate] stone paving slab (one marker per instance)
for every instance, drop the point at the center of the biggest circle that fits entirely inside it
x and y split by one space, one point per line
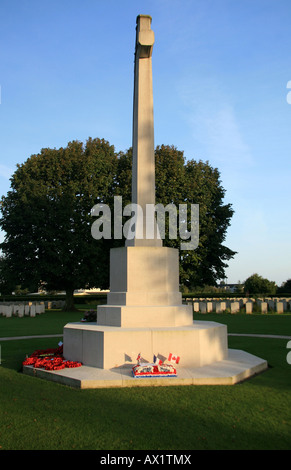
239 366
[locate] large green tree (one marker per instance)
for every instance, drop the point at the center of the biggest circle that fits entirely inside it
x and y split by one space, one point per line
47 215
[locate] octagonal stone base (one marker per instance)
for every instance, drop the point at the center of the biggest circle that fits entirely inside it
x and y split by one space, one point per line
239 366
107 347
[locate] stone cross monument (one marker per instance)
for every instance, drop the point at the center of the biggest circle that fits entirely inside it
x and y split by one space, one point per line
144 311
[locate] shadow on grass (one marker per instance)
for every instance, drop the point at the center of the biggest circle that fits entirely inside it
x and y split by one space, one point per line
43 415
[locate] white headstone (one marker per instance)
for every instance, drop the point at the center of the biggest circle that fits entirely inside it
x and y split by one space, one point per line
234 307
19 310
8 309
249 307
279 307
32 310
264 307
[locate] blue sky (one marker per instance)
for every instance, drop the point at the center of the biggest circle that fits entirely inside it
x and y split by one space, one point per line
220 75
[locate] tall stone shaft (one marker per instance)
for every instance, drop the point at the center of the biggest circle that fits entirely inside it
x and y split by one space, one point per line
143 164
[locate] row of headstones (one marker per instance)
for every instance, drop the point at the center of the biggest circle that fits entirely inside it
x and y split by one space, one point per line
31 309
236 305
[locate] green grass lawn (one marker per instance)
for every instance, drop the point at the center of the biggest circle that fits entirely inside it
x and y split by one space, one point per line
37 415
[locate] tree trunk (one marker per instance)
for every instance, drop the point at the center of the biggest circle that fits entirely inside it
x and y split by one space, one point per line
70 304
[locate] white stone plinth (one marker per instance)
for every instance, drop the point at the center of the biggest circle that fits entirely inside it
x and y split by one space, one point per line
107 347
144 289
144 276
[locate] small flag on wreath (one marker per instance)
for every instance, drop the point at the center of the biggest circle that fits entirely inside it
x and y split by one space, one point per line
157 361
174 358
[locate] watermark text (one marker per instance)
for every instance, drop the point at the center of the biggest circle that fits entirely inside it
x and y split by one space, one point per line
147 224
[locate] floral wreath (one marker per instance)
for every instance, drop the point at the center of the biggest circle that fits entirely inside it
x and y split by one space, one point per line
49 359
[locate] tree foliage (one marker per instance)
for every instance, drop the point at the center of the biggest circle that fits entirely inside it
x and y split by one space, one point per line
256 284
47 215
285 288
47 220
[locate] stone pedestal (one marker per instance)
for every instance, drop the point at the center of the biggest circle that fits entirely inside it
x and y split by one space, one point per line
144 315
144 289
